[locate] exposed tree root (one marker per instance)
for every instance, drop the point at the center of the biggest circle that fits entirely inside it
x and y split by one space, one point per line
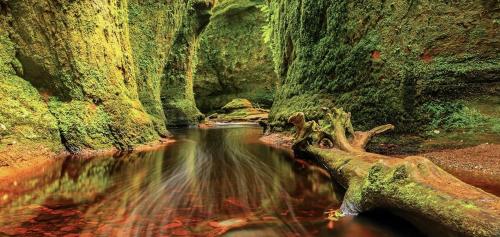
413 187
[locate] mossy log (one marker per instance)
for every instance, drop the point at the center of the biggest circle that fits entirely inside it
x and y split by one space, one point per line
413 187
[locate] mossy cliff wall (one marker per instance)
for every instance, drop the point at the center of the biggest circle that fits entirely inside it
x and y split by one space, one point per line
177 87
233 59
153 27
381 59
25 120
84 74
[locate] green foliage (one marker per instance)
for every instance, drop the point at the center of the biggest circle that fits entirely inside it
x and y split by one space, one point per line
267 29
496 125
452 115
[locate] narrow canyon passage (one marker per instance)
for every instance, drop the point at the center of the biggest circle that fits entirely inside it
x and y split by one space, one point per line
210 182
249 118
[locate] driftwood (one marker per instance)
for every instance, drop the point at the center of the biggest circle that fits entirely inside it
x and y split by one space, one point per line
413 187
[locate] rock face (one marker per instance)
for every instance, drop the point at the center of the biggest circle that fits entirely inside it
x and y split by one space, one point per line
381 59
86 74
153 27
177 87
233 59
24 117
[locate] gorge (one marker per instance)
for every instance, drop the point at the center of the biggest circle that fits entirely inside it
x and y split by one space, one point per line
94 78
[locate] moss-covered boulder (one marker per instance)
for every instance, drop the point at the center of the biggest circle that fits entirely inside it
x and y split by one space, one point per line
381 60
233 59
237 104
240 110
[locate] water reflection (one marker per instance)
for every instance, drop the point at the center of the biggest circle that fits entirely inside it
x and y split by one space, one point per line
209 183
215 178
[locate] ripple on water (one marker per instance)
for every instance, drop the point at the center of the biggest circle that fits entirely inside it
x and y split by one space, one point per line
209 183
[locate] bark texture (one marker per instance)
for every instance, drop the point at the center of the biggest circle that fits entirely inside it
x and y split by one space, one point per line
413 187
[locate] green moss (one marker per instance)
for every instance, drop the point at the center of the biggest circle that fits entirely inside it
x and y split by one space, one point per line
379 60
452 115
233 60
384 182
177 93
153 26
8 61
94 75
237 104
85 67
82 125
24 117
403 185
230 7
182 112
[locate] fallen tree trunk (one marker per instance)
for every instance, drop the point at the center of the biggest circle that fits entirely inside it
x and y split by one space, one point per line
412 187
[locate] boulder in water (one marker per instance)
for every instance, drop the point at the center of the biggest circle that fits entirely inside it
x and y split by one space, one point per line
240 110
237 104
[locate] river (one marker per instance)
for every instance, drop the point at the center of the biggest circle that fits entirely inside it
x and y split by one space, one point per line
210 182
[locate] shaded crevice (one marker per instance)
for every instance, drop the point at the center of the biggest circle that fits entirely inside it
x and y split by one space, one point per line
70 148
202 11
289 55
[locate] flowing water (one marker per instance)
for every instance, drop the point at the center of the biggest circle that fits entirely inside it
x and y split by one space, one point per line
215 182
